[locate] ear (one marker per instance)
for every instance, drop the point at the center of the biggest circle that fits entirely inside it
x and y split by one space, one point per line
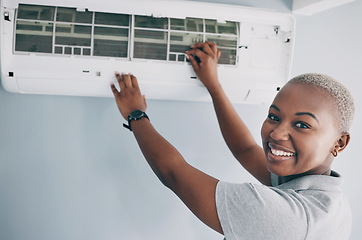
342 142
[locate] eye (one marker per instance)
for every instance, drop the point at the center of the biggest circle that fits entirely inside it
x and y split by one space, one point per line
273 117
302 125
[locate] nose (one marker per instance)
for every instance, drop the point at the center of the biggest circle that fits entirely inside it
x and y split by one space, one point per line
280 133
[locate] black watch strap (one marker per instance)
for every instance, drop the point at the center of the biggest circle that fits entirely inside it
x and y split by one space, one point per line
135 115
127 126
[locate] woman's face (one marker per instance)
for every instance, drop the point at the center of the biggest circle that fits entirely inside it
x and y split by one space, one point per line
300 132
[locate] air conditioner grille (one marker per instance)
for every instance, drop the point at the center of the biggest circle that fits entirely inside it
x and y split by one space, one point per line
66 31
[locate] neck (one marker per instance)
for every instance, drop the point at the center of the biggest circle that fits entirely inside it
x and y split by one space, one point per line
284 179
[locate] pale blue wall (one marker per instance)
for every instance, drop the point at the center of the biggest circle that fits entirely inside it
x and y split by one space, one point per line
69 170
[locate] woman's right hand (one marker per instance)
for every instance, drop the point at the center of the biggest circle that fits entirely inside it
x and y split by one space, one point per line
204 58
129 98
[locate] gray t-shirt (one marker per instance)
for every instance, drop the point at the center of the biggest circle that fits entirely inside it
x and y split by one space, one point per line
310 207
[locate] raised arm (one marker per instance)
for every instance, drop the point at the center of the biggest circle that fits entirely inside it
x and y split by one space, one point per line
203 58
195 188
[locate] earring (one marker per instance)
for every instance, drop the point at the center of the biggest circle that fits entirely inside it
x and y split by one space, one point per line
335 153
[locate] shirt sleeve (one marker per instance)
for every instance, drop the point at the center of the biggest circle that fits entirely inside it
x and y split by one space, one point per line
249 211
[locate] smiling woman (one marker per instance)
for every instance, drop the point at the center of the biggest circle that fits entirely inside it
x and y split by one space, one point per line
305 129
307 126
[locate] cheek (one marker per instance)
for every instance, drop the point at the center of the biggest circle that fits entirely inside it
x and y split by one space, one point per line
321 143
311 150
265 130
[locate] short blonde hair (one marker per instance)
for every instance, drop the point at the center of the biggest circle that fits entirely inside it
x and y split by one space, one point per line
342 97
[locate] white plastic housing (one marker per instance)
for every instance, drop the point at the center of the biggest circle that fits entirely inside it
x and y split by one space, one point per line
262 42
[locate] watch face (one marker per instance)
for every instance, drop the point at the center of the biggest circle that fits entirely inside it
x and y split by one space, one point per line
136 114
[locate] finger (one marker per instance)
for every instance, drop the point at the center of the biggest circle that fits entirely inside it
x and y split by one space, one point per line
212 46
218 54
114 90
120 81
197 45
127 80
200 56
134 81
199 53
206 48
193 62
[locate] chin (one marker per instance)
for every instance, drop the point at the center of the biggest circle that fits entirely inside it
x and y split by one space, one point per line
281 172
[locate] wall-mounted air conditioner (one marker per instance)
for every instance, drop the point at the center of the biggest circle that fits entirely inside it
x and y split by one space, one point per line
69 47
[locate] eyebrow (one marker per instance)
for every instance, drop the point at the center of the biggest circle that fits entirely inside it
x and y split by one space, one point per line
307 113
298 113
275 107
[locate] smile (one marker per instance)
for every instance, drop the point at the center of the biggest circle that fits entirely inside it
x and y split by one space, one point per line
281 153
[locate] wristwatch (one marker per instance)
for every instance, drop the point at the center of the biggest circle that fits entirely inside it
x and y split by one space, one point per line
135 115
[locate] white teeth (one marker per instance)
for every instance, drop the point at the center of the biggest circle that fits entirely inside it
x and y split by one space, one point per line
281 153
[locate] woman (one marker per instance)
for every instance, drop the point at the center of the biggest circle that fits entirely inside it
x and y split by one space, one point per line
300 196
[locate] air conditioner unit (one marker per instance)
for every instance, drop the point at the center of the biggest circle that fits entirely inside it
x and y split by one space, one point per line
68 47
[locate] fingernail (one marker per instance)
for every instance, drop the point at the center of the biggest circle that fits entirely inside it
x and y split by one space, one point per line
117 73
187 56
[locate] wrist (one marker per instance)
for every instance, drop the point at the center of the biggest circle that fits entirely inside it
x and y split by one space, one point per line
135 116
214 89
138 125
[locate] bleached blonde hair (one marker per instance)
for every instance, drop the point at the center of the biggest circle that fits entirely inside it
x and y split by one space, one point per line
342 97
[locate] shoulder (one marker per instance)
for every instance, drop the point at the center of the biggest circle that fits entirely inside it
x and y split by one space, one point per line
317 191
325 205
259 212
305 207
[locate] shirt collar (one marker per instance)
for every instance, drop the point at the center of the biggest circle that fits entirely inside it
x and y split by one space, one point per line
310 182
